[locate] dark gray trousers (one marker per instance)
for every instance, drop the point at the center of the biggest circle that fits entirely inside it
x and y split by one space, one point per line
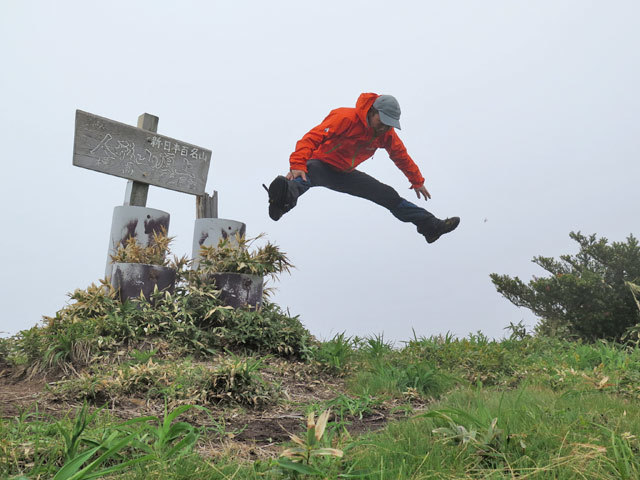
359 184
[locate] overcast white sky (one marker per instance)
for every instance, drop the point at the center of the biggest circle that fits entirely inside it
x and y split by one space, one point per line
523 116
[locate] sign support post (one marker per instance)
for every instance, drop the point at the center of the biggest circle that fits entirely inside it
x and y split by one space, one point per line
136 192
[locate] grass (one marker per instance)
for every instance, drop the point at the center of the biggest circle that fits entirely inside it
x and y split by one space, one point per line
528 432
455 408
516 408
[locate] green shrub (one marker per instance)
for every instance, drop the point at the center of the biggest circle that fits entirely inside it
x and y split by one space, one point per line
233 379
191 321
400 374
153 254
585 295
7 351
375 346
31 345
238 380
268 330
235 256
476 358
334 355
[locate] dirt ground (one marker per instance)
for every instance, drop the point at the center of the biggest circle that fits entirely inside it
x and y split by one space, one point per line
247 433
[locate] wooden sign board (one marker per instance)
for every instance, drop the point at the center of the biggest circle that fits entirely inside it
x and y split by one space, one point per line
118 149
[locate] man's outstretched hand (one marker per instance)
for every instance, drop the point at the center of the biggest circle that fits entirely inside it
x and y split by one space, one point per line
422 190
295 174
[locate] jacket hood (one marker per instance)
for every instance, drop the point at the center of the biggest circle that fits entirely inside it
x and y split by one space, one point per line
363 104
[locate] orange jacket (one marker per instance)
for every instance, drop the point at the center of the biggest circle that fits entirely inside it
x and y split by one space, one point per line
344 140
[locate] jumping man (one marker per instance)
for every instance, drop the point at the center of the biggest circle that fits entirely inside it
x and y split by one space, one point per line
327 156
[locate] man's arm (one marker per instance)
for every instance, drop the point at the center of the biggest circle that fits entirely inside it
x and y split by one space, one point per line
398 153
422 190
334 124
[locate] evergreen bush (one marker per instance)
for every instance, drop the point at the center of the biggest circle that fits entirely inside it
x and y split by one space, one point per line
585 295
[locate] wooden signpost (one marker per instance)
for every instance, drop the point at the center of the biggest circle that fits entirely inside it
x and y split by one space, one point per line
144 158
139 154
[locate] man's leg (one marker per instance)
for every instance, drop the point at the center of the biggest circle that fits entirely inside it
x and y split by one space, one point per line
359 184
433 229
283 193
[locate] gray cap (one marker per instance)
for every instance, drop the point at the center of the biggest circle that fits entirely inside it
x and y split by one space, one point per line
389 110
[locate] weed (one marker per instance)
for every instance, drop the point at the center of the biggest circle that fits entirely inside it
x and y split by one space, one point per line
233 380
138 357
107 451
485 439
623 449
83 464
28 441
237 380
334 355
9 353
518 330
72 439
299 459
165 438
153 254
376 347
268 331
94 302
234 256
345 406
399 378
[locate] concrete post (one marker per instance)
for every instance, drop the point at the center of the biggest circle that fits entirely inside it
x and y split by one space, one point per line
209 231
137 222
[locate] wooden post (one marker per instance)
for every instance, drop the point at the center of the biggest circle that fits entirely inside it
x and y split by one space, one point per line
136 192
207 206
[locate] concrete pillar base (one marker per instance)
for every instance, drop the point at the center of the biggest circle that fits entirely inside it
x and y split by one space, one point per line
131 221
209 231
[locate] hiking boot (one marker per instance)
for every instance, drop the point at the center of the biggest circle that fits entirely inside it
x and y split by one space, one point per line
446 226
280 199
